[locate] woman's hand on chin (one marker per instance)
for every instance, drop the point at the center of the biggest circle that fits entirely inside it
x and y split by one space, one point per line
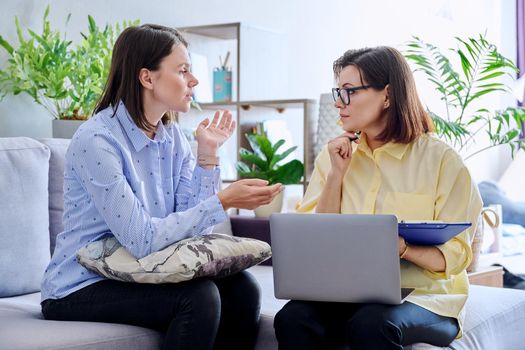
211 136
340 150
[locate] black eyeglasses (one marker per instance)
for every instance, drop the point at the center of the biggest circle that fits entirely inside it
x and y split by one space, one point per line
345 93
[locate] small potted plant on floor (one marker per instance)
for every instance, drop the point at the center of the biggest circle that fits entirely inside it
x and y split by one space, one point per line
265 163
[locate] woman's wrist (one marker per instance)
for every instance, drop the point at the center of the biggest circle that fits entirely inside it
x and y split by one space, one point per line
335 176
207 157
208 160
206 150
404 253
224 201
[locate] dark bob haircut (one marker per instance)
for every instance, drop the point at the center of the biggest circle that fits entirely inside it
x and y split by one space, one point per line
382 66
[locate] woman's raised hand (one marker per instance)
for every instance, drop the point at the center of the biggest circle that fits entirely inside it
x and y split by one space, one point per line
211 136
248 194
340 150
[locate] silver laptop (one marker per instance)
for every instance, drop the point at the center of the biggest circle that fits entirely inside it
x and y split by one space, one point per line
336 257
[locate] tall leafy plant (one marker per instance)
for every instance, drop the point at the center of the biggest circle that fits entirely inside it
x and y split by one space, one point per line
65 79
461 91
263 161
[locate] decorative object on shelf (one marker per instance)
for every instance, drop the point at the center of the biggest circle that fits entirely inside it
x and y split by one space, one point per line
222 85
222 81
264 161
224 65
327 127
482 68
65 80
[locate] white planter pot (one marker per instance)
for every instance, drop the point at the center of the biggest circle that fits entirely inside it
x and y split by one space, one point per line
65 129
268 209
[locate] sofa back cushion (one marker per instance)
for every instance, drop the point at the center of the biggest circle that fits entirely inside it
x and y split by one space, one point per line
24 218
58 148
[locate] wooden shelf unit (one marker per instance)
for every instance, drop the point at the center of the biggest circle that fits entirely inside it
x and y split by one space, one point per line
247 44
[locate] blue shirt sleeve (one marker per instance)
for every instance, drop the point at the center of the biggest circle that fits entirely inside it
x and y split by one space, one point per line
98 164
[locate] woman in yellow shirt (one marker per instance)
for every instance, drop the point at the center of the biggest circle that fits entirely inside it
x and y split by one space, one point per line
396 167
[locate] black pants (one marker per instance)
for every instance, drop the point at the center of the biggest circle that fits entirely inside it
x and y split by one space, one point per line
320 325
198 314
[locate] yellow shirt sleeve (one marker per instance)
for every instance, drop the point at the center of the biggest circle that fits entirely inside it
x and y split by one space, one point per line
457 200
316 184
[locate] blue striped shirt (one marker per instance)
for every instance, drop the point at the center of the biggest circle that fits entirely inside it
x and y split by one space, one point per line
117 181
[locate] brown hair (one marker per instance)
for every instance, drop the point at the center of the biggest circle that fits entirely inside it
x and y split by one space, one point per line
137 47
382 66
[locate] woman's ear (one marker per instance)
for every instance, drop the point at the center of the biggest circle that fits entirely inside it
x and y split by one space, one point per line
386 104
145 78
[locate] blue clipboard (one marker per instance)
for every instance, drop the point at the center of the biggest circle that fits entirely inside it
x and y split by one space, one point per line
429 233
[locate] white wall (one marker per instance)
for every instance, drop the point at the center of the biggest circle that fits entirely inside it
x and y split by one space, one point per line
316 33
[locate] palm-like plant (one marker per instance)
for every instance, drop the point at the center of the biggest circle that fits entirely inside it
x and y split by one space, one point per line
264 162
482 67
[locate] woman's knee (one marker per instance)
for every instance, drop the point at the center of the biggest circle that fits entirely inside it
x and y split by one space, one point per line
201 299
241 291
249 287
240 296
373 322
291 316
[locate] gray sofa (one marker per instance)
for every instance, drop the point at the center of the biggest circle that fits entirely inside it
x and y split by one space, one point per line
31 178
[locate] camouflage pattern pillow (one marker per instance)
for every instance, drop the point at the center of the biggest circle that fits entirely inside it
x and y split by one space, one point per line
213 255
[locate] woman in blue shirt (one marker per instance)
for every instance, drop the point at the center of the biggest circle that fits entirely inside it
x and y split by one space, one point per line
130 172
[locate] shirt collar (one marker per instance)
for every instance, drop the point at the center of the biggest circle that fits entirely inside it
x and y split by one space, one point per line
396 150
137 137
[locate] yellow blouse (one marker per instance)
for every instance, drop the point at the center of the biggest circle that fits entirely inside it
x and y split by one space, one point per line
424 180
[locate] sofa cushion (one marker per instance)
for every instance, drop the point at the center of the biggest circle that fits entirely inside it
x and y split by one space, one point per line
23 327
58 148
494 320
24 219
488 324
213 255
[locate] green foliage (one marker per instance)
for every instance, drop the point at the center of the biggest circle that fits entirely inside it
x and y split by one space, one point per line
91 64
264 161
65 79
482 67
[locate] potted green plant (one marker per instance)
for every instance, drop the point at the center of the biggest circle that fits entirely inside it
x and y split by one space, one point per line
264 163
482 69
65 79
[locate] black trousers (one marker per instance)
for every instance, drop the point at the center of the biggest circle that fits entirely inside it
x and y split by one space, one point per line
198 314
321 325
